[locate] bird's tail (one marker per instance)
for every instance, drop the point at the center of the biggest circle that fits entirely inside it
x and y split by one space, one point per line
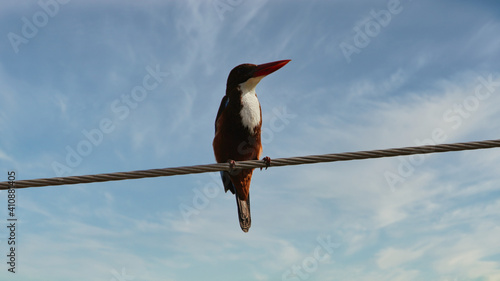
243 205
244 213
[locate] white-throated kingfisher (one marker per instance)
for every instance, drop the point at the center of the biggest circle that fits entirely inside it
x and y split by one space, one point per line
237 131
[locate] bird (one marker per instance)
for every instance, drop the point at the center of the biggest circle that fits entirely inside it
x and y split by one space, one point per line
238 131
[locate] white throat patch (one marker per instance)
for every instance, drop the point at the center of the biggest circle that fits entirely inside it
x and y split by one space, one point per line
250 107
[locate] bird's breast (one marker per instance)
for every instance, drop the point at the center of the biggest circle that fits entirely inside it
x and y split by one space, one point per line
250 111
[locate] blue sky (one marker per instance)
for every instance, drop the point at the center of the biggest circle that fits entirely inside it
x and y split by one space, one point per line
105 86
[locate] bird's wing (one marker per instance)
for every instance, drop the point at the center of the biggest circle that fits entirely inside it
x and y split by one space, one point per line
223 105
226 181
228 185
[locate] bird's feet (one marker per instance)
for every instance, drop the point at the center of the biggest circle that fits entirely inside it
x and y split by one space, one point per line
232 165
267 161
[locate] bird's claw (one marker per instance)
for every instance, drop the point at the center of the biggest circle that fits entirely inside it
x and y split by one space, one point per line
232 165
267 161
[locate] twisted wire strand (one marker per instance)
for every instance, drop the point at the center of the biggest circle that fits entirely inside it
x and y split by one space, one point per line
278 162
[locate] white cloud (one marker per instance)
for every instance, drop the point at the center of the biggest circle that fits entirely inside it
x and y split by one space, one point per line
392 257
4 156
470 254
440 222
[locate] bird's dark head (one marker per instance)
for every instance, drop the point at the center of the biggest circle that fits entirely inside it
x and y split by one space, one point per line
248 75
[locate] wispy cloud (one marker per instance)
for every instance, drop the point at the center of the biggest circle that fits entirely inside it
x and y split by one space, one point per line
415 83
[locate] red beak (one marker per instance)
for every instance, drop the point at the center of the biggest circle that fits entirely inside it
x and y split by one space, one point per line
268 68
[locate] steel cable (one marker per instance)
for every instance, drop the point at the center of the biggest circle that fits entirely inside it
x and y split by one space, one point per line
278 162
